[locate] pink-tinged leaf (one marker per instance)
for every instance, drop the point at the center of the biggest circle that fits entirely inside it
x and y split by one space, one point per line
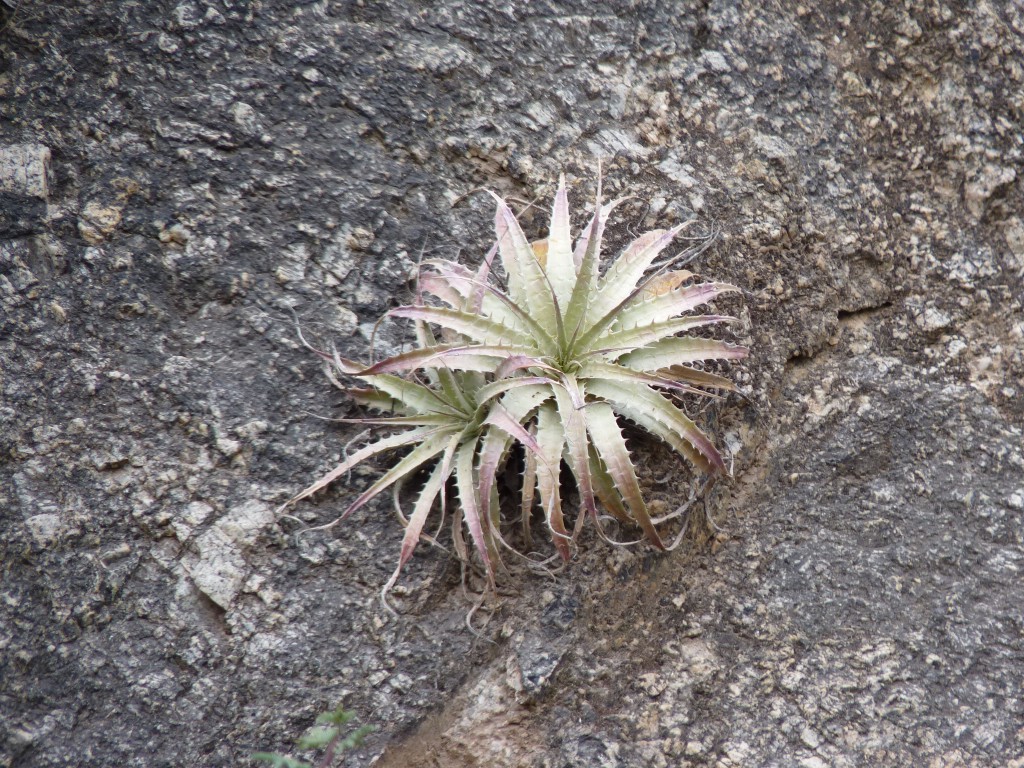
500 308
614 343
506 419
447 466
670 304
459 540
513 247
469 500
426 451
560 268
604 488
576 443
386 444
476 298
698 378
680 351
343 364
442 289
622 277
611 446
518 405
490 456
372 398
661 284
418 420
476 328
659 416
551 439
529 491
494 528
415 397
518 363
527 284
495 388
599 369
424 503
457 276
499 417
588 258
457 357
586 236
493 447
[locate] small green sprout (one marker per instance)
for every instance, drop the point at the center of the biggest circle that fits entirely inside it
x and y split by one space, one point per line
325 735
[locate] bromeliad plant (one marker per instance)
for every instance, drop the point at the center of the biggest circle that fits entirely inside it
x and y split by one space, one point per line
551 360
452 420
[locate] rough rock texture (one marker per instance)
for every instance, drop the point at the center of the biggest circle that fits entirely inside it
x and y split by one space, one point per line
181 183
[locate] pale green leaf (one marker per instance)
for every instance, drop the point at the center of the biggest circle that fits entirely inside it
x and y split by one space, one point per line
339 716
372 398
560 268
567 396
495 388
410 394
698 378
657 414
611 447
600 369
528 286
604 488
465 482
600 218
521 402
528 492
680 351
623 276
356 738
426 451
614 343
424 503
669 304
660 284
456 357
392 442
476 328
586 280
550 440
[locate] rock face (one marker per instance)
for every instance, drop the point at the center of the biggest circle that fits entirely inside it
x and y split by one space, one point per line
182 184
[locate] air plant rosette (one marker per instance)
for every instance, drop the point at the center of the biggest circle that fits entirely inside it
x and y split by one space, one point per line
546 364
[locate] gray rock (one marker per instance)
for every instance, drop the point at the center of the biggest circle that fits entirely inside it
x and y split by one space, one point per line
220 569
45 528
181 184
25 169
985 184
